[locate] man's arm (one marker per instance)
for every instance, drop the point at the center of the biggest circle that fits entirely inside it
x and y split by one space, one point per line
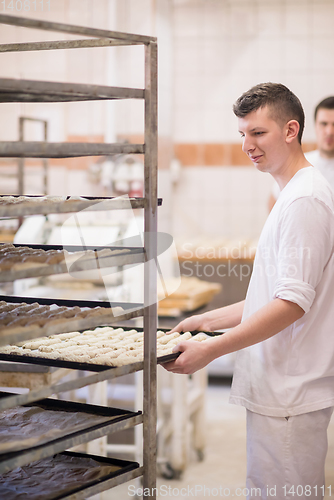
224 317
265 323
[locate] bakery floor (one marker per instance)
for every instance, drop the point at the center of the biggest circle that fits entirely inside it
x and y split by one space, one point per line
224 463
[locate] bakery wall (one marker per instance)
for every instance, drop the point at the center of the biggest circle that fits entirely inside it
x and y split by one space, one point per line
221 49
210 51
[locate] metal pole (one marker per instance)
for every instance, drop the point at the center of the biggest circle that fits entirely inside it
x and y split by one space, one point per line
71 29
63 44
21 160
150 274
33 149
46 161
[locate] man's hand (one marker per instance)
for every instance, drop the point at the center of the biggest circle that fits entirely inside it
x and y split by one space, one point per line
224 317
192 324
195 355
271 319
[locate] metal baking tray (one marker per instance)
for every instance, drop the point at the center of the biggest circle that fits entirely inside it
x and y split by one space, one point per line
88 366
125 471
131 255
171 357
18 334
69 205
115 420
73 364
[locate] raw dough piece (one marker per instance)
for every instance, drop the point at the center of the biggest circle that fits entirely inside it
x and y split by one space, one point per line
168 337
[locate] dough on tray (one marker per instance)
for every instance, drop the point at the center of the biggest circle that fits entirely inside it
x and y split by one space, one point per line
168 338
12 256
106 346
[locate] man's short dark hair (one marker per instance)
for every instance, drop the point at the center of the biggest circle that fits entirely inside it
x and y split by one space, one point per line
327 103
284 105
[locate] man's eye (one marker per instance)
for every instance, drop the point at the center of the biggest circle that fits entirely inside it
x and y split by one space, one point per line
258 133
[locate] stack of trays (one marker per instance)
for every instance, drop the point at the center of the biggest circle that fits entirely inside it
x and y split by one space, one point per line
66 474
26 261
15 206
37 435
28 318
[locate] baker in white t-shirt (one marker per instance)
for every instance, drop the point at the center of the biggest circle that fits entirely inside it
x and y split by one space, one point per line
284 330
323 157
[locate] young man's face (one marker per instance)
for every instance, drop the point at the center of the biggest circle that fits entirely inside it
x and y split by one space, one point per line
324 129
263 140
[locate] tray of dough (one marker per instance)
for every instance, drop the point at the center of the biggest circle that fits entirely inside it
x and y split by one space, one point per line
95 350
63 475
16 206
27 261
28 317
40 429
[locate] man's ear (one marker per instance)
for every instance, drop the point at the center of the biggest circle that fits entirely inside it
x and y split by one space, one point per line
292 130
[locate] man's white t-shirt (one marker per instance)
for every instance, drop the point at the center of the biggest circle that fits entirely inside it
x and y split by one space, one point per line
293 372
324 165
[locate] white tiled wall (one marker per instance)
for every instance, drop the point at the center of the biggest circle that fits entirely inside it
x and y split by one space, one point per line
224 47
221 49
220 203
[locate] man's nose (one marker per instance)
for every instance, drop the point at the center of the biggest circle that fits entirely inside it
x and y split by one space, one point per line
247 145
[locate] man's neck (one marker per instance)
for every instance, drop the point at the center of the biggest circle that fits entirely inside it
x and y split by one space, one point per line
294 163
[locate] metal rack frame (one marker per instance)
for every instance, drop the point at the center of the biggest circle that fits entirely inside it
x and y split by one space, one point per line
20 209
114 420
31 91
131 255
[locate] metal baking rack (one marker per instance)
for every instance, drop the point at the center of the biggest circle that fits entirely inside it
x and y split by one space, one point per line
119 472
125 256
24 208
10 335
13 90
113 420
32 91
46 391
